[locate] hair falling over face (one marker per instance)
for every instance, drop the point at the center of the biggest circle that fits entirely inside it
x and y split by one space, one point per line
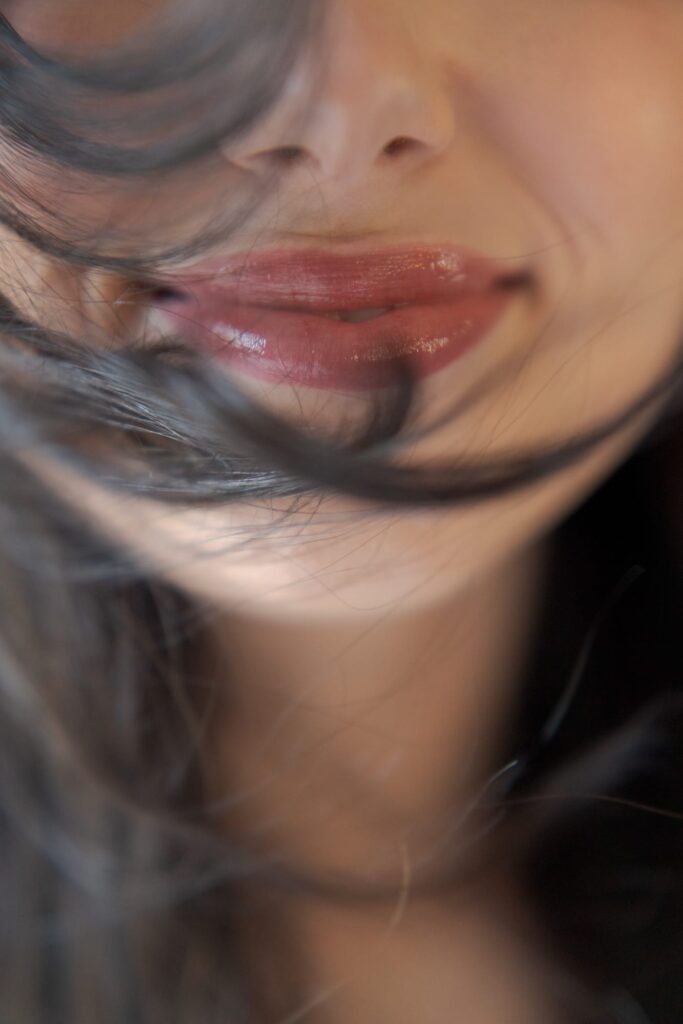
136 143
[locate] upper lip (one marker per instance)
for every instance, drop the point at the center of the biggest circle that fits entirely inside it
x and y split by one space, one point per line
323 281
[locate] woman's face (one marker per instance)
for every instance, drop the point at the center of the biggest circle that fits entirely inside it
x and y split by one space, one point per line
544 134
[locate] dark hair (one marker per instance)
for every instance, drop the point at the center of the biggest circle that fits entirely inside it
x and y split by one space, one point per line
119 900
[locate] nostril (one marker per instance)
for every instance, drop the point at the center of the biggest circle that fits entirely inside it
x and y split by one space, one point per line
289 154
265 160
275 157
400 145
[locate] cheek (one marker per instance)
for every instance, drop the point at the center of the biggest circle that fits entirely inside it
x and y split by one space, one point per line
595 120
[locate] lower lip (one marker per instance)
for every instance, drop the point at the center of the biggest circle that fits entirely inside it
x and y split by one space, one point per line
320 352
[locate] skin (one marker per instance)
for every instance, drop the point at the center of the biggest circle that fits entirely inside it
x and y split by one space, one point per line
548 134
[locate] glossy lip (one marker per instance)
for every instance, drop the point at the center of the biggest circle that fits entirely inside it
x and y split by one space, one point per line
275 314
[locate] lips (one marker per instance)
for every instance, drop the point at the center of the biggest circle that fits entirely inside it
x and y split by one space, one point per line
339 320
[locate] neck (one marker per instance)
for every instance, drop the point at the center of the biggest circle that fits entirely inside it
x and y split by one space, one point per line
350 746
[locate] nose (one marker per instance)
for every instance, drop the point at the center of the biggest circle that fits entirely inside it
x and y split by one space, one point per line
377 100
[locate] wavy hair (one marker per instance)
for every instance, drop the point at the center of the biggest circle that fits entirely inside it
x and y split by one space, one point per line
121 902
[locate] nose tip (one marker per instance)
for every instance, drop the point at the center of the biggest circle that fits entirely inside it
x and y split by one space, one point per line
375 103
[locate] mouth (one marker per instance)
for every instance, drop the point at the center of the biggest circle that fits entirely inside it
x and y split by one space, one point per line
338 321
358 316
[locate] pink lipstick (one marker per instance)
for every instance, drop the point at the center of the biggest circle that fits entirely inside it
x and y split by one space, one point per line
339 320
